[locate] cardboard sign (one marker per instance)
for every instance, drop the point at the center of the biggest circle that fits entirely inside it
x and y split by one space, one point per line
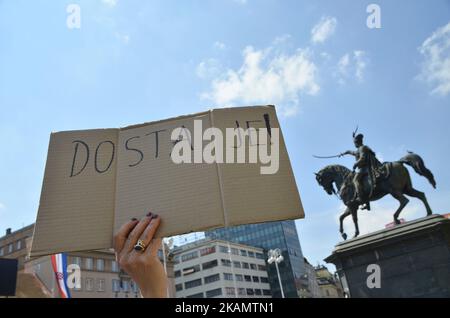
96 180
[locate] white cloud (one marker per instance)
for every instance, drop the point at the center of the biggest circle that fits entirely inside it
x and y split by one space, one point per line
343 64
352 65
2 208
267 76
323 29
283 39
208 69
124 38
111 3
325 55
436 66
360 64
219 45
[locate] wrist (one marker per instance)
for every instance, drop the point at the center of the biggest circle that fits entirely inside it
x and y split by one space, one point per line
154 292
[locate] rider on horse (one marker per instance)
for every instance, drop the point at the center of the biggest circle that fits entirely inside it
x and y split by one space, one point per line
367 165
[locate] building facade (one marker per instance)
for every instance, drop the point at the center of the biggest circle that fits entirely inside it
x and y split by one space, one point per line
216 268
309 286
329 284
14 244
271 235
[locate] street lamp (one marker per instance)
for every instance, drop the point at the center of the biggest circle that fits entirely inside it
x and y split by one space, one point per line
275 256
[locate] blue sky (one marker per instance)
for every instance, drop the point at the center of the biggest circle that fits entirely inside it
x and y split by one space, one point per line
137 61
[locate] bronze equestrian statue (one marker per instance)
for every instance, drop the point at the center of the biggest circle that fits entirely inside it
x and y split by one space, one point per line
371 180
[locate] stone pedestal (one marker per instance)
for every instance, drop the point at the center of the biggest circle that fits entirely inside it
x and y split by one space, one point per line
413 260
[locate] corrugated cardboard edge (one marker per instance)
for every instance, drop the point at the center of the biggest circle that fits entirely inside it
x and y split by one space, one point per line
203 113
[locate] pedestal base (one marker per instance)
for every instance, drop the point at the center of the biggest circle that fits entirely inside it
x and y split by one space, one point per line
411 260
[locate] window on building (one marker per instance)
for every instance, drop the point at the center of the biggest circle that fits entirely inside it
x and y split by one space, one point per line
207 250
89 284
243 253
2 252
260 255
176 259
101 285
266 292
247 278
328 292
19 245
177 273
225 262
191 270
214 292
251 254
230 291
245 265
241 292
258 292
89 263
227 276
199 295
223 249
116 285
234 251
264 280
134 287
114 266
76 260
10 248
255 279
125 286
212 278
253 266
262 268
210 264
193 283
100 265
239 278
250 291
189 256
179 287
237 264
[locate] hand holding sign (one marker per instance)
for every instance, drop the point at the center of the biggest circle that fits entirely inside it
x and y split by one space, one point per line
144 266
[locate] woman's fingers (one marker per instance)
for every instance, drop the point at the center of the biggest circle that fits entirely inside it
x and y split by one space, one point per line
122 235
150 231
154 247
136 233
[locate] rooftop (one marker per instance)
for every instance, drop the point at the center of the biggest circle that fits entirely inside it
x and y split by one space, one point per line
208 241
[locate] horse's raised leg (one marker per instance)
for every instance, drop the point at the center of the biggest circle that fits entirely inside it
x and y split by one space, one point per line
346 213
355 221
421 196
403 202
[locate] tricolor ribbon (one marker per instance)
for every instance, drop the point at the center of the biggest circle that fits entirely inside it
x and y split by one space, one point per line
59 264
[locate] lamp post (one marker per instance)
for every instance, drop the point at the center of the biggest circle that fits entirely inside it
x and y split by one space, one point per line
275 256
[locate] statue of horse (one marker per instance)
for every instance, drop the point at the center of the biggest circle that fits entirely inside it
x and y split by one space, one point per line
396 181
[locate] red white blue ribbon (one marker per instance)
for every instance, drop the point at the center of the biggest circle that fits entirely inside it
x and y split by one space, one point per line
59 264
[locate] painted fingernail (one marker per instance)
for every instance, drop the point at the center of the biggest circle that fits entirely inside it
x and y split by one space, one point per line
133 219
155 216
149 214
